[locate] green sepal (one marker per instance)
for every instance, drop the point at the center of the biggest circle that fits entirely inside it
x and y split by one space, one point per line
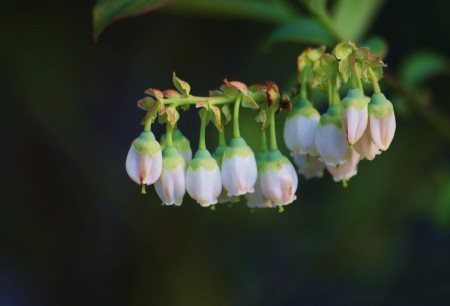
203 159
172 159
344 49
355 98
263 118
226 113
380 106
237 146
146 143
274 161
183 87
170 116
260 159
302 107
332 116
323 71
218 154
249 102
309 57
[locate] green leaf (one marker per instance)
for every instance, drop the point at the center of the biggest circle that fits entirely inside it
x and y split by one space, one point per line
377 45
106 12
422 65
352 18
146 103
181 85
229 91
318 7
216 117
277 12
304 30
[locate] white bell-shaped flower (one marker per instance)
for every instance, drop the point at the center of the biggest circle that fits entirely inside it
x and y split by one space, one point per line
347 170
365 146
144 159
181 143
308 166
279 180
257 198
381 121
300 128
218 156
239 171
203 180
171 186
354 114
331 141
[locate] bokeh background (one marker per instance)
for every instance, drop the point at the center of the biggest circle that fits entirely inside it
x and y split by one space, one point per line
75 230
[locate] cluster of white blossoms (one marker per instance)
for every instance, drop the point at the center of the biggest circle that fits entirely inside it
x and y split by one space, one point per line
354 128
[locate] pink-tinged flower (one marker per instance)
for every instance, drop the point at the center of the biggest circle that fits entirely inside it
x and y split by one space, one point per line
239 169
171 186
308 166
181 143
381 121
144 160
223 197
354 114
279 180
365 146
257 198
331 141
300 128
346 170
203 180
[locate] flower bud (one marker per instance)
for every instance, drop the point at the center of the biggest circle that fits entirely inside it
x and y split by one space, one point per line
354 114
308 166
381 121
181 143
239 169
345 171
300 128
365 146
331 141
144 159
278 179
170 186
203 180
257 198
218 156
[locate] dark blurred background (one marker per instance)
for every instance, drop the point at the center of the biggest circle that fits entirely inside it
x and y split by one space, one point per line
75 230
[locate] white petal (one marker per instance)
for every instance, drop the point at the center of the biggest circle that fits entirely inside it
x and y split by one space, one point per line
355 123
257 199
309 167
204 185
299 134
280 187
132 165
239 174
331 144
365 146
150 167
346 170
171 186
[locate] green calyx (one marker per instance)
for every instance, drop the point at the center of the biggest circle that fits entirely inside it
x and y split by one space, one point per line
274 161
146 143
302 107
237 146
218 154
203 159
380 106
179 141
172 159
355 98
332 116
261 158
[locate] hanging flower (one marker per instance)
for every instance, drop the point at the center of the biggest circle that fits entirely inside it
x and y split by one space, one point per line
331 141
347 170
257 198
278 179
181 143
203 180
354 114
300 128
381 121
170 186
365 146
218 156
239 169
144 159
308 166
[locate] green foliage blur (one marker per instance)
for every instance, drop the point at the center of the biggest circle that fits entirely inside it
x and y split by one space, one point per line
75 230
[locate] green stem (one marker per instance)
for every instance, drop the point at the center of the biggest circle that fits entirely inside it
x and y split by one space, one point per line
148 125
330 92
376 86
353 74
169 131
263 141
192 100
304 85
237 103
202 143
334 91
273 134
222 141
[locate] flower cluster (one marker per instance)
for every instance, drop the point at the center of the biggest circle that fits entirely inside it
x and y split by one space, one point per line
353 128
